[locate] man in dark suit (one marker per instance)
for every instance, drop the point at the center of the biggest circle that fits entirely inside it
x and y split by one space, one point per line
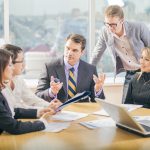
83 77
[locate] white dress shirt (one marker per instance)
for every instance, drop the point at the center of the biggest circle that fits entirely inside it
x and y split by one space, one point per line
7 93
25 98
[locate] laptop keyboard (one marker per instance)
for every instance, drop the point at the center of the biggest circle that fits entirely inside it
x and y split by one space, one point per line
145 127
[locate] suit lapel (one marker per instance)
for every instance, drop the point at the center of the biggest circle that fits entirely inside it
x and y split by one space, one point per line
4 101
61 74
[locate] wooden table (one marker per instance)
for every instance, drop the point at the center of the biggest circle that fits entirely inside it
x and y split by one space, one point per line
78 137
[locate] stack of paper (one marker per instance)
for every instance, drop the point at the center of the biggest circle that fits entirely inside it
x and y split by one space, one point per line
99 123
68 116
128 107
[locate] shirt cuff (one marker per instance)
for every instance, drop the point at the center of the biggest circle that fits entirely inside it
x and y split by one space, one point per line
44 121
98 93
38 112
51 95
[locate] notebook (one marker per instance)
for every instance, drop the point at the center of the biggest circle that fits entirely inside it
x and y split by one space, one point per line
123 119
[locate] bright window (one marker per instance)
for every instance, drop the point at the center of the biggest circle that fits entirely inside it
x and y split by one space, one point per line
40 28
1 21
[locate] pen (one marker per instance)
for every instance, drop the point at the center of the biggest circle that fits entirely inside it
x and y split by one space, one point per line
56 80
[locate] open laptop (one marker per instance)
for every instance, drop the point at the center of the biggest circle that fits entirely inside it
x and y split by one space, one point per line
123 119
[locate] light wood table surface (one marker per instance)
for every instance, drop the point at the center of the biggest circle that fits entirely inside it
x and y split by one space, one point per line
78 137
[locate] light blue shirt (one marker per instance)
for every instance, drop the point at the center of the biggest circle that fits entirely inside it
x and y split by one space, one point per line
67 67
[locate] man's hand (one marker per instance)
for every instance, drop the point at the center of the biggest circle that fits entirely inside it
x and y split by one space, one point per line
54 104
55 86
45 118
99 81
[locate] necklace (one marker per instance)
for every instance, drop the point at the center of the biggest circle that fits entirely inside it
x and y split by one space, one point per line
146 82
146 78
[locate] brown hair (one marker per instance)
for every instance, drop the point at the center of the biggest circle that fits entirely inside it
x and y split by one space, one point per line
13 49
77 38
4 61
114 11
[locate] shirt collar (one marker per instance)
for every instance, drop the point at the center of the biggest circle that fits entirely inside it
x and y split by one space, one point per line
68 66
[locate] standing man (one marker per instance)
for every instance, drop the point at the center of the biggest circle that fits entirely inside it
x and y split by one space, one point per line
68 75
125 40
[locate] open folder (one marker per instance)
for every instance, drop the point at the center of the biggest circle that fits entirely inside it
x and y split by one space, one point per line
74 99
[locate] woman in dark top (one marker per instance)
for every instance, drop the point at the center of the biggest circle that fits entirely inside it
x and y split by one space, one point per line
8 115
139 87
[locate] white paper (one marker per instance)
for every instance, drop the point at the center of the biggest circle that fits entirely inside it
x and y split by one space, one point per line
131 107
68 116
99 123
56 126
101 112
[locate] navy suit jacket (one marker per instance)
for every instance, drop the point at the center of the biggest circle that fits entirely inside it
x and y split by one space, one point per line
56 68
13 126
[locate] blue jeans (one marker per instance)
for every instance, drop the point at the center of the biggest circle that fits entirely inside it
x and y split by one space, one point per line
128 77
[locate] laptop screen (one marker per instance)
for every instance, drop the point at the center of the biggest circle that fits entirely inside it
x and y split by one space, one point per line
120 115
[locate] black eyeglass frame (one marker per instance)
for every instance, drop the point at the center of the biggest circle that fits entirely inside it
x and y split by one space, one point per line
17 62
113 25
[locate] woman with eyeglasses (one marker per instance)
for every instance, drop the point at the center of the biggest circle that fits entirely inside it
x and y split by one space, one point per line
24 97
9 115
139 87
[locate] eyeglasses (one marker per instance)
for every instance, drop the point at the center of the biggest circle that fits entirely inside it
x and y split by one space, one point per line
113 25
16 62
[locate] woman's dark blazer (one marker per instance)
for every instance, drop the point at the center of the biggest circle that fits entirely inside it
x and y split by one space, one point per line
13 126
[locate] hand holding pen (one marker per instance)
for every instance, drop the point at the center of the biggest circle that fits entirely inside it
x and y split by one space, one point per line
55 85
54 104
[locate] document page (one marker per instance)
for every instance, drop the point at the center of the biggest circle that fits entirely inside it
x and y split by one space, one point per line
131 107
68 116
101 112
56 126
99 123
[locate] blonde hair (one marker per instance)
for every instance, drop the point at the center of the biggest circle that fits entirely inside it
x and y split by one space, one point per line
147 51
114 11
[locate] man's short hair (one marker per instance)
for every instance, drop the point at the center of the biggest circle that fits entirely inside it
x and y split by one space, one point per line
77 38
114 11
13 49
